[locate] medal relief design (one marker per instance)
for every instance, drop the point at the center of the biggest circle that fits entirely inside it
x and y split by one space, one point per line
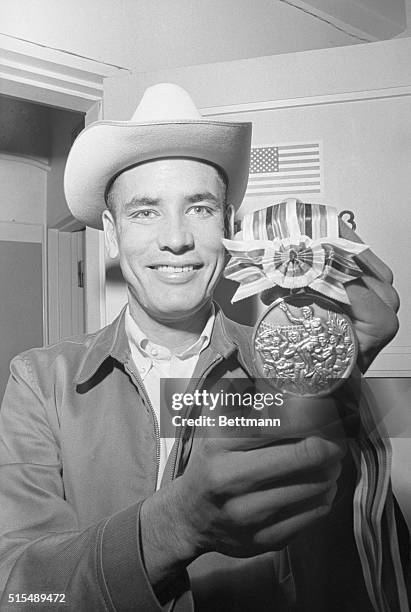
306 347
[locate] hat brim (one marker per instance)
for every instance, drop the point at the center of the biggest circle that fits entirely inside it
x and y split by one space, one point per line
106 148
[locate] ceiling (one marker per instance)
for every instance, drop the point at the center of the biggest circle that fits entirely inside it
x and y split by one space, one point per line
150 35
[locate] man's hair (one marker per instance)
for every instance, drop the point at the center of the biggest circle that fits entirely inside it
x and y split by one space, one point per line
111 200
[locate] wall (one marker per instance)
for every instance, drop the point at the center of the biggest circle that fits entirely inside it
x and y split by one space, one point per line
25 143
24 188
24 128
40 137
277 77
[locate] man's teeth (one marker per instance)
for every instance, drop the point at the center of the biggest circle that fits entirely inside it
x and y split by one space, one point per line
175 268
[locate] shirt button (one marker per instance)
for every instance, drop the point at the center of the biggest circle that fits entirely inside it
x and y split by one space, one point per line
143 370
154 352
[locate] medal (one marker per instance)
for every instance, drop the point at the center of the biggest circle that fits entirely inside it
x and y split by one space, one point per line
304 343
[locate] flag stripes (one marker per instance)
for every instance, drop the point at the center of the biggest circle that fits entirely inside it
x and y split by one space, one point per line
284 169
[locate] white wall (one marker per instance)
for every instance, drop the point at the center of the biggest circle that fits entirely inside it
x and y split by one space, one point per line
23 191
274 77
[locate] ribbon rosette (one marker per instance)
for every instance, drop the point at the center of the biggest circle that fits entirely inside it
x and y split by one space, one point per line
291 259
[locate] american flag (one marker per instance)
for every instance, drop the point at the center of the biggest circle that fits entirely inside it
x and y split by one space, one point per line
284 170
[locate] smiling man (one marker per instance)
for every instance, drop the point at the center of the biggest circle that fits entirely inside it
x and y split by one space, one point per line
100 512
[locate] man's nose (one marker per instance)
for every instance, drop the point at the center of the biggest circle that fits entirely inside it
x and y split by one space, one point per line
175 235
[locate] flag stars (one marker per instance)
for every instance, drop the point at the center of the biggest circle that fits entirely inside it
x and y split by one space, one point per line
264 159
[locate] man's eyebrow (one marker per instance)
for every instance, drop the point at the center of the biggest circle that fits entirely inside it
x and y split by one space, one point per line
204 196
141 201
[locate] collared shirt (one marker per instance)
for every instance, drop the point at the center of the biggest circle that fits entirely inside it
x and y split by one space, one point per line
154 362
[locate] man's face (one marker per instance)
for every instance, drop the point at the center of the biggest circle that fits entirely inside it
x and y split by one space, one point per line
168 226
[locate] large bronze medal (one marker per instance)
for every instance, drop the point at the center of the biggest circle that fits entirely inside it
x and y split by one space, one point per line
304 343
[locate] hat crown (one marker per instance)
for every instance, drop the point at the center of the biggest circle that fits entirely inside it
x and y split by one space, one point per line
165 102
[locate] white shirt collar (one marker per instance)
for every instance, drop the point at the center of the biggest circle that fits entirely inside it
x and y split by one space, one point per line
150 351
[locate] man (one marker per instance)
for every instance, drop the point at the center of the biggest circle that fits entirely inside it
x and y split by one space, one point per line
96 507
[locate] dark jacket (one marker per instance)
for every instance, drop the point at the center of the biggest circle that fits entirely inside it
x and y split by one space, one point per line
78 457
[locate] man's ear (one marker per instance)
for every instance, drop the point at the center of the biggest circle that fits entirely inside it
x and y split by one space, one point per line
229 222
110 234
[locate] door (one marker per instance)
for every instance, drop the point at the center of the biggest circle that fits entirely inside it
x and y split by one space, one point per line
21 297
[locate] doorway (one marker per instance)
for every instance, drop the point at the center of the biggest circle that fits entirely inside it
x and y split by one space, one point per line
41 245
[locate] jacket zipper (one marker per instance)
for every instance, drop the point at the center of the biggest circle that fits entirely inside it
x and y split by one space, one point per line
141 387
177 440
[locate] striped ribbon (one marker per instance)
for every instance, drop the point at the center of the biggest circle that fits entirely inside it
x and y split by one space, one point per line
293 245
373 511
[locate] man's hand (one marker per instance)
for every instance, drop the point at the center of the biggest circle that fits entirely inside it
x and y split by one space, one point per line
374 303
240 497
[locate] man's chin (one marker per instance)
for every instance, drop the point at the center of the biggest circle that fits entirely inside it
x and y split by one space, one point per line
179 312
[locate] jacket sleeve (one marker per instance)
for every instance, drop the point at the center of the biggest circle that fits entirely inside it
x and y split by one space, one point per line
42 549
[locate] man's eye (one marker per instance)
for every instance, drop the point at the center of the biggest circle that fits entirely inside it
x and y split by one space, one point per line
200 211
144 214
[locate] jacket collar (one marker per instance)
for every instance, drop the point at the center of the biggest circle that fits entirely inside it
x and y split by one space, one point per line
111 341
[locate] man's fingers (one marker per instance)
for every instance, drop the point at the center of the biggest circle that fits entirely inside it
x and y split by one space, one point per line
367 260
263 508
278 535
384 291
371 312
300 417
374 266
263 467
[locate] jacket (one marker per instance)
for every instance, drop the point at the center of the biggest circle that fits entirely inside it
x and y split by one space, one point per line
78 456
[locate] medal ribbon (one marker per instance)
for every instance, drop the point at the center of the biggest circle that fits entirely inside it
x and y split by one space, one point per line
292 245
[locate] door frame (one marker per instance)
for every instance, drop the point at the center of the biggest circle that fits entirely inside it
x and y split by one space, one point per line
61 79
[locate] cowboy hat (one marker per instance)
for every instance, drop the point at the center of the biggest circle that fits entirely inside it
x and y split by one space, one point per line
166 123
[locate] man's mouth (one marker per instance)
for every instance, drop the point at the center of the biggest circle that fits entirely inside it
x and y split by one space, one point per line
176 275
172 268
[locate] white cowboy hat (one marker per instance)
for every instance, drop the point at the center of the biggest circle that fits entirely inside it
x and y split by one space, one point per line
166 123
